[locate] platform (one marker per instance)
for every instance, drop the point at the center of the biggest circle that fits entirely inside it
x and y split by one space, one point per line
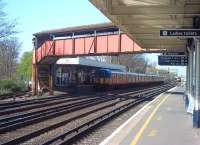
163 121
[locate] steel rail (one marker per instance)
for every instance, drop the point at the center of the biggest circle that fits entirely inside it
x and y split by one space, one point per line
36 133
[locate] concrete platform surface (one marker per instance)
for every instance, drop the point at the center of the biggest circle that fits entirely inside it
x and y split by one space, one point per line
163 121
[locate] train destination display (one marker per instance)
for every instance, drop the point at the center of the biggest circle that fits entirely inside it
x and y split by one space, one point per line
176 60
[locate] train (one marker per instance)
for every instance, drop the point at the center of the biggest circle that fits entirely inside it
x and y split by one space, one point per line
105 78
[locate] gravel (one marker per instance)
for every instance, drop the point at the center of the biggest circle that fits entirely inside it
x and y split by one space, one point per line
56 132
99 134
22 131
95 137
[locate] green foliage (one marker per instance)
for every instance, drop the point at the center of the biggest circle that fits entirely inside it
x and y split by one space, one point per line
11 86
24 68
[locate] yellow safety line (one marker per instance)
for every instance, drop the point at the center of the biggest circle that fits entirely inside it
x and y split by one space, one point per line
139 134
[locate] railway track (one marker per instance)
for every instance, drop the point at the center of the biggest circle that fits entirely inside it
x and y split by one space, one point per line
9 104
15 107
32 105
117 103
70 136
15 95
15 121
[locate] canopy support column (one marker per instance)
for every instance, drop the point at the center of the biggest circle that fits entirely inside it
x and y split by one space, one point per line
34 79
51 82
190 82
196 114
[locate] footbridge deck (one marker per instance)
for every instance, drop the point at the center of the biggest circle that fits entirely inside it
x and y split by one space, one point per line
89 40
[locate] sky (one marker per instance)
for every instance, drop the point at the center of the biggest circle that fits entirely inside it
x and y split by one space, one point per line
180 70
37 15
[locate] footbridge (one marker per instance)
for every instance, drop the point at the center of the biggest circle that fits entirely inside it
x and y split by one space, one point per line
88 40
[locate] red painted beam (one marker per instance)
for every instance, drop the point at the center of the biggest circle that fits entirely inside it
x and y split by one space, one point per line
101 45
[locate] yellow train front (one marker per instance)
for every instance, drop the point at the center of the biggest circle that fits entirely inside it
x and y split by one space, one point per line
109 79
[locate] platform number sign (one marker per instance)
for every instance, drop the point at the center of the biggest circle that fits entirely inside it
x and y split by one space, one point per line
186 33
164 33
173 60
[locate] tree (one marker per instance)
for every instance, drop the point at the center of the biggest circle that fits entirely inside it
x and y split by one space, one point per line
24 68
9 50
133 62
9 45
7 27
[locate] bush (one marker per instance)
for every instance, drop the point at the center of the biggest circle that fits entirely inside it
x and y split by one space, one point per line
12 86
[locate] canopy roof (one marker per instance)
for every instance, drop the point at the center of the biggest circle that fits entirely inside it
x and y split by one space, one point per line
79 30
143 19
89 62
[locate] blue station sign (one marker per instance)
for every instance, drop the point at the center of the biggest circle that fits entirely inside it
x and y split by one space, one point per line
174 60
188 33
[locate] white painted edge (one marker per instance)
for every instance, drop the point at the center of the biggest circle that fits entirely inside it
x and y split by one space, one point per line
106 141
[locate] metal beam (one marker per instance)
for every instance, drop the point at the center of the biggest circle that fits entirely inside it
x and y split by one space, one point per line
153 17
165 46
158 25
164 41
151 37
196 115
191 99
155 10
184 22
151 50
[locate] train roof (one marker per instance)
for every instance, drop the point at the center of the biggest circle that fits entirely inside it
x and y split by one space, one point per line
129 73
79 30
89 62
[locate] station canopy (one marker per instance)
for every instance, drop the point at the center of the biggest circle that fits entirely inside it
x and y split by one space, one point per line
143 19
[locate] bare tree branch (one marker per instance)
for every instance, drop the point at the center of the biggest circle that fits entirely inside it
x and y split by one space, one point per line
7 27
9 50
